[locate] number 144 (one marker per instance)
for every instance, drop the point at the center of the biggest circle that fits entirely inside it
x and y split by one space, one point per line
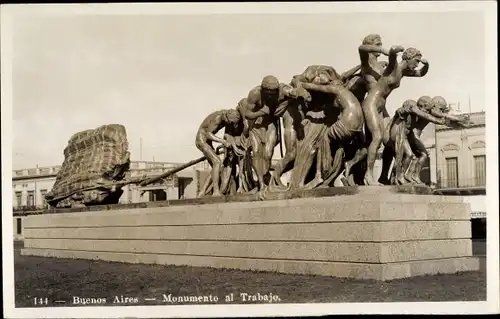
40 301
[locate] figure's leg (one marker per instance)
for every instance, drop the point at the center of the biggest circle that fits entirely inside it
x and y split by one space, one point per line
206 186
290 138
422 154
337 167
227 170
317 180
257 159
306 152
413 164
387 157
358 157
408 156
374 124
268 151
271 142
322 162
411 170
216 163
241 167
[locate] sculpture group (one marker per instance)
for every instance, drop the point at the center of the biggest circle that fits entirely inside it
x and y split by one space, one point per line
334 125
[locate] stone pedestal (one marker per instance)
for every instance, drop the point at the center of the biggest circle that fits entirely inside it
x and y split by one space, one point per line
378 233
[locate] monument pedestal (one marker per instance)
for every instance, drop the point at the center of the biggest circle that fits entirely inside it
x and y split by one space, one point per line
376 233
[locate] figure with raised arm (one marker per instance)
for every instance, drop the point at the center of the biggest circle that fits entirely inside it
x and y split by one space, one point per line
206 136
381 82
265 104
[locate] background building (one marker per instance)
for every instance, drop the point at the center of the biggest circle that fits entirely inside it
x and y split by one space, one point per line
460 168
29 186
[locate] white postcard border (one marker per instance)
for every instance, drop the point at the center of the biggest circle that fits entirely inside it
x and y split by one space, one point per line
490 306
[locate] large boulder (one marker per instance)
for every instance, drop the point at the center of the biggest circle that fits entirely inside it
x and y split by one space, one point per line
94 161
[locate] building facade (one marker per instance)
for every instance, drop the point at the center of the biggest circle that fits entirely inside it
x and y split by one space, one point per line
460 169
461 155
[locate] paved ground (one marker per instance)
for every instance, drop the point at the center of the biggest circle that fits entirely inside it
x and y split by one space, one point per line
64 279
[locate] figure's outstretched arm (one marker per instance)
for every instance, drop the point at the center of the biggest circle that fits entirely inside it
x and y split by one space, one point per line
437 113
427 116
331 89
393 58
349 73
368 48
420 72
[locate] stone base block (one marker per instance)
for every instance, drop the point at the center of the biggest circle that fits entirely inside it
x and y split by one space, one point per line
375 234
387 271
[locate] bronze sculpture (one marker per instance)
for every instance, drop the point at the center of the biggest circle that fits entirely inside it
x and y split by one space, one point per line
264 105
424 104
381 82
317 116
347 127
331 123
206 136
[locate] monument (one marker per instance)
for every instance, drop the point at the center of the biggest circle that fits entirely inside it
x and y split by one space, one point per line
245 216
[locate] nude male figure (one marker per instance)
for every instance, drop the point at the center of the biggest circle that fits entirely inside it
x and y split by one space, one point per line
342 132
437 110
205 137
263 106
396 140
295 114
381 82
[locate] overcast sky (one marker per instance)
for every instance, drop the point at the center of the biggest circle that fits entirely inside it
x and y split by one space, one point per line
161 75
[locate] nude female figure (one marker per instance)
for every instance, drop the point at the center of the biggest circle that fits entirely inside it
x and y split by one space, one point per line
380 83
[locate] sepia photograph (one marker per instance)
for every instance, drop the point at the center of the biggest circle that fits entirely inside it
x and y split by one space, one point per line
249 159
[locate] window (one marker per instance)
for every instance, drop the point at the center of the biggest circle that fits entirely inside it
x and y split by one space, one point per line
157 195
181 188
31 199
19 226
19 199
480 170
43 192
452 172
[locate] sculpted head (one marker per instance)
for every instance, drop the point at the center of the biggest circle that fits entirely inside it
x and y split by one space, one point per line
424 102
270 82
409 104
412 56
373 39
440 103
270 89
233 116
321 78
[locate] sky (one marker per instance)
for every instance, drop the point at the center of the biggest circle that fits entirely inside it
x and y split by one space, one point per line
161 75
